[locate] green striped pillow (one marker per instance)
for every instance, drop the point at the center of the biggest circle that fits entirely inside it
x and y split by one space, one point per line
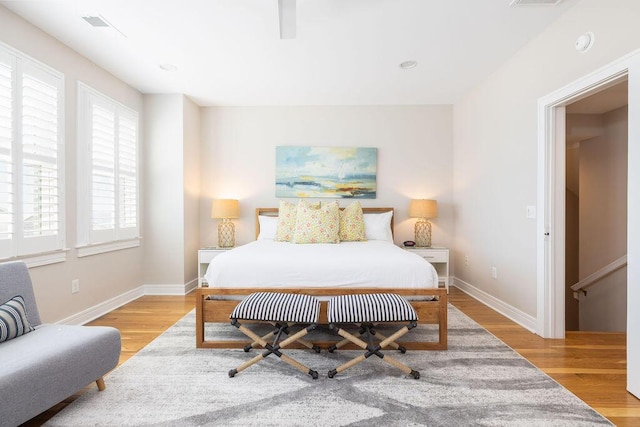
13 319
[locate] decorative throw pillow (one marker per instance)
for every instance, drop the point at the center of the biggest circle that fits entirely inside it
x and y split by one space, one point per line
13 319
287 220
268 227
352 223
317 225
378 226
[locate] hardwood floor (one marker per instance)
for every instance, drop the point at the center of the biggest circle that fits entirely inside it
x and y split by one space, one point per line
591 365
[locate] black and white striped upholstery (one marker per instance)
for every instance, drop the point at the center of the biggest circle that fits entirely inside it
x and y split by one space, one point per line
370 308
278 307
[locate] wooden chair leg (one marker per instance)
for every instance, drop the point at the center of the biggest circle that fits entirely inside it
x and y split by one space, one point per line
100 383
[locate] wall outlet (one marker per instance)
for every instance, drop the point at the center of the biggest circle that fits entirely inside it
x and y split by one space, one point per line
75 286
494 272
466 260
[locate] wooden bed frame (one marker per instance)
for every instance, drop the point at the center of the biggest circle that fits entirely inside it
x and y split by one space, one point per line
218 309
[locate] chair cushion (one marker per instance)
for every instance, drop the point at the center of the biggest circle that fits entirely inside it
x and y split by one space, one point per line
13 319
278 307
373 308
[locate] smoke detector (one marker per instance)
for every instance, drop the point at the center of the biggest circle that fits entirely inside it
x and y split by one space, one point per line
584 42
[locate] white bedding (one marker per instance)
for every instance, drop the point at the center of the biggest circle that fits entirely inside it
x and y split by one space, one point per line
270 264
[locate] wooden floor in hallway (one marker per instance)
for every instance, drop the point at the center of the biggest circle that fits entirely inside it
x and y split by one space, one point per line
591 365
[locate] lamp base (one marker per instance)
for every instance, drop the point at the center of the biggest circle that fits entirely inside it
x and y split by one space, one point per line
422 232
226 234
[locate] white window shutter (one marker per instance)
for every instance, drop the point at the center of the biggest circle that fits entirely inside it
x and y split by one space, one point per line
31 156
128 175
109 212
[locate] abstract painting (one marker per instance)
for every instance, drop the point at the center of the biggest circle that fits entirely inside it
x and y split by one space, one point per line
329 172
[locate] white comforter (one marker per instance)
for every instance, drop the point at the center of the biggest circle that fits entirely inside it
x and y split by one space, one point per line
267 263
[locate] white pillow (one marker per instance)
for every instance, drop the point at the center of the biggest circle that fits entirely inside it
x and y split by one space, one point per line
268 227
378 226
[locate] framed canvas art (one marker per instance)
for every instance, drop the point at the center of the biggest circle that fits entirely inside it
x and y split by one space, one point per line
326 172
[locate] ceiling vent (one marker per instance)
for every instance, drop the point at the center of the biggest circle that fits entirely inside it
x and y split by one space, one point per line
534 2
96 21
100 23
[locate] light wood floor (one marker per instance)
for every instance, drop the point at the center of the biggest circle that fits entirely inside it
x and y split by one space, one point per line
591 365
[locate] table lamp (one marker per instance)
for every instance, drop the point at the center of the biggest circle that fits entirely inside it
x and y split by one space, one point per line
423 209
225 209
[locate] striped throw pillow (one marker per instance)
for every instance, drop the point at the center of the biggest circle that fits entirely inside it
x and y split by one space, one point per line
13 319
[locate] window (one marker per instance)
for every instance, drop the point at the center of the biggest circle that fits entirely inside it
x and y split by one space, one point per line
31 158
108 174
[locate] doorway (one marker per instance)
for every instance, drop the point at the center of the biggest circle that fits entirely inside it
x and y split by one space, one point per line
551 204
596 140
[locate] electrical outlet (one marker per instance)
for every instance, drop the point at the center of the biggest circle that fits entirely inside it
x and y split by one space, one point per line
466 260
75 286
494 272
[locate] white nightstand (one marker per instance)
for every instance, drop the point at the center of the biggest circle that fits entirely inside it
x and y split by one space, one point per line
439 258
205 255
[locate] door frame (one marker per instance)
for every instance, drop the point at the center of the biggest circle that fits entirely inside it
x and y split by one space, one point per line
551 188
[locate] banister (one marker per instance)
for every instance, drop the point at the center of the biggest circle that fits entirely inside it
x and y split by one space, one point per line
594 277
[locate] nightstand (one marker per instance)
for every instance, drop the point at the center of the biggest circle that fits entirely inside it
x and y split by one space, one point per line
439 258
205 255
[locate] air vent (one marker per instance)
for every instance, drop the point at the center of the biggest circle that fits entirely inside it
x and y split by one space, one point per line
96 21
535 2
100 23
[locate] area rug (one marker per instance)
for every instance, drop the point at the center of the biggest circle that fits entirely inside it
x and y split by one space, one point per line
477 381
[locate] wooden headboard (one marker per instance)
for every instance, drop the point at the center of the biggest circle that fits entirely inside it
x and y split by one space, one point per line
274 212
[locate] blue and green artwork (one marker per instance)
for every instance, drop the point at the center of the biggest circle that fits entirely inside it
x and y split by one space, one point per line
326 172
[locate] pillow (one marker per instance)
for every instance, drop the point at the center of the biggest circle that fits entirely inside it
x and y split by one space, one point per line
352 224
315 225
287 220
268 227
378 226
13 319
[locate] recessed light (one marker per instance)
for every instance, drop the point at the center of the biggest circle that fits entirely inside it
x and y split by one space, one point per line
168 67
408 64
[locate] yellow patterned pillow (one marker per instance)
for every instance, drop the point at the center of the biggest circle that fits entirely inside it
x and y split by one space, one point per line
317 225
352 224
287 220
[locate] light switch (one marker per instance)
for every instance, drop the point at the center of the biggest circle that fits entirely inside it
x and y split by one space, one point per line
531 212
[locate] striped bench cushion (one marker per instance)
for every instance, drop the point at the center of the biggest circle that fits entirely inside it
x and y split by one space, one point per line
278 307
370 308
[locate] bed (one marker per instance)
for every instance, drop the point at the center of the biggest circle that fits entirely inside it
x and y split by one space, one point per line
267 265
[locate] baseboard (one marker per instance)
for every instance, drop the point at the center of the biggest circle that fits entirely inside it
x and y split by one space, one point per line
103 308
523 319
169 289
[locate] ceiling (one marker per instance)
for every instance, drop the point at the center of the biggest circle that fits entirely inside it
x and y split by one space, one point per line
603 101
346 52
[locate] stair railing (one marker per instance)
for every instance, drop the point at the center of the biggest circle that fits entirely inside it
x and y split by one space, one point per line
600 274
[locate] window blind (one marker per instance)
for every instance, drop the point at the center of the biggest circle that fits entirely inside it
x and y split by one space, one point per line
31 149
109 212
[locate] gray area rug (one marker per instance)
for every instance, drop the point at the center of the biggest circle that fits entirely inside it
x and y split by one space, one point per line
478 381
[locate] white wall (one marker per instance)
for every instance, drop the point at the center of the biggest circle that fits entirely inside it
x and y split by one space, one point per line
495 149
164 228
105 276
191 190
172 195
414 158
